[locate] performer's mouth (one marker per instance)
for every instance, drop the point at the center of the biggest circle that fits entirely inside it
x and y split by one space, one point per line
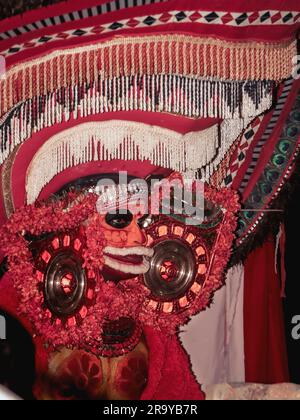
133 260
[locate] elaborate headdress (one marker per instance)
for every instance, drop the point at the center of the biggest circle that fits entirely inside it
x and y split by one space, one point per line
209 89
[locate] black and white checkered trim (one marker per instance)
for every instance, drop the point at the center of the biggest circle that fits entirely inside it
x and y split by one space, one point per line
110 6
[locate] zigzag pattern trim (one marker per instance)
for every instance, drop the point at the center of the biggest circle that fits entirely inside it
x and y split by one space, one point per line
236 19
172 94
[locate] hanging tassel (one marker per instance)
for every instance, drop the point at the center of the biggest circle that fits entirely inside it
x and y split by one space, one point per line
172 93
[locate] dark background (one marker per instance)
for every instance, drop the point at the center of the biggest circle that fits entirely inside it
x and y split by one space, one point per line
17 366
12 7
292 301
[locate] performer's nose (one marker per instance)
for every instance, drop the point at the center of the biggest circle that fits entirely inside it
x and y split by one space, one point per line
136 236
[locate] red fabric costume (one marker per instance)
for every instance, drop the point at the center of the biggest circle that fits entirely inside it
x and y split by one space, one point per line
265 349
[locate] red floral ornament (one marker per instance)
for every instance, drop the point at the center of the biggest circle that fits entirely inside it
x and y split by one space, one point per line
128 299
132 375
112 301
79 377
228 201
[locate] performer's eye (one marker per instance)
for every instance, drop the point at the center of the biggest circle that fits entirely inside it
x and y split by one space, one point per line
145 221
119 221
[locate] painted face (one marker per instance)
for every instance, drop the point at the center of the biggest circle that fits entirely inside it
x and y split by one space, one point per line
100 278
125 255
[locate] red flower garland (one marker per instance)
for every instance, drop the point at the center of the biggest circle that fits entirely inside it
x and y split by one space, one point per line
228 200
113 301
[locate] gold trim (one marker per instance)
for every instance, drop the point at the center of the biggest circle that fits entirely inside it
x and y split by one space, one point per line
6 174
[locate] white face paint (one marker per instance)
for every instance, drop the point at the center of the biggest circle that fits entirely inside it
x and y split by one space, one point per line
115 258
124 252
